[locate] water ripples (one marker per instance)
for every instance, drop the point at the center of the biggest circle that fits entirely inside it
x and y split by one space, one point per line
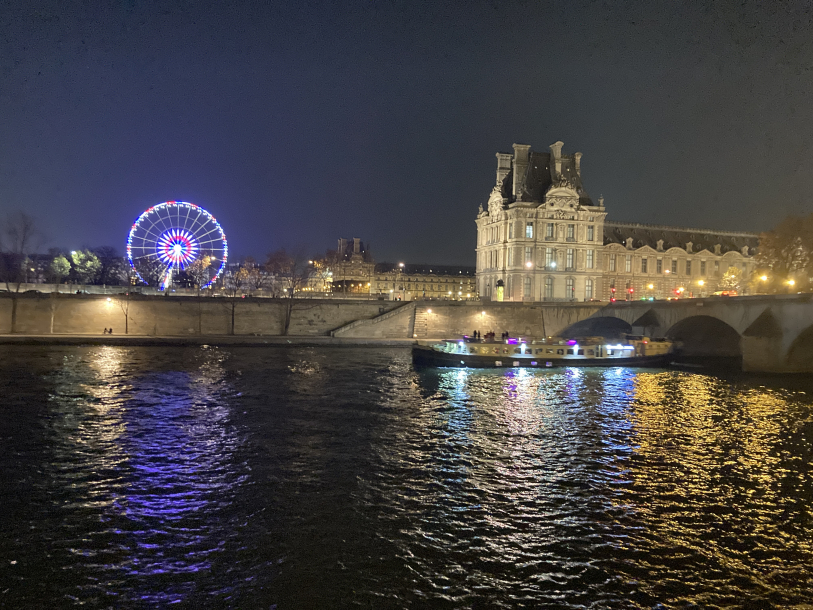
298 477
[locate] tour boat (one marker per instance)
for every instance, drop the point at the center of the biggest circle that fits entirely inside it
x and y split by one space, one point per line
542 353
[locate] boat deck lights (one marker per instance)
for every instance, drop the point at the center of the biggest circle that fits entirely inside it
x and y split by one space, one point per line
619 346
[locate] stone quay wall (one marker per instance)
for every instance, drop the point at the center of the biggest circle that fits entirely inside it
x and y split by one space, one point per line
45 314
77 314
436 320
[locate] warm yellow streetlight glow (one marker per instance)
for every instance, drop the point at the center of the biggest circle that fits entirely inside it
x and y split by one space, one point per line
700 282
764 278
651 286
529 264
791 283
428 311
482 313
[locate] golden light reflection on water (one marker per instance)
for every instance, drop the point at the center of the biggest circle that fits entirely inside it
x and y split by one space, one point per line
705 473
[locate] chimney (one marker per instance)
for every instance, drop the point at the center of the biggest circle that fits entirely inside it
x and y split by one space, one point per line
503 167
556 149
520 166
342 245
578 157
356 245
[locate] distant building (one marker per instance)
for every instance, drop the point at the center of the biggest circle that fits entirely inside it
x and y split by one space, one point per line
414 282
542 238
354 272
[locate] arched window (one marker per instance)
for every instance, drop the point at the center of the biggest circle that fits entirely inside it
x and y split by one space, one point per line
570 288
548 288
588 289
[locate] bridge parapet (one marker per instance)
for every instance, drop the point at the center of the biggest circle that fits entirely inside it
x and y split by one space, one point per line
772 333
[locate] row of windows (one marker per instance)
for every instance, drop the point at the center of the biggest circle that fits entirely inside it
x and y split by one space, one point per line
688 267
495 232
549 286
550 258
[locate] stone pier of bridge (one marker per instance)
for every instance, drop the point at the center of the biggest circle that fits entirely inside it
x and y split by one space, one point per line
771 333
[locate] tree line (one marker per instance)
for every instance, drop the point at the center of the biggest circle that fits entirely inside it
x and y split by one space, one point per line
785 257
283 273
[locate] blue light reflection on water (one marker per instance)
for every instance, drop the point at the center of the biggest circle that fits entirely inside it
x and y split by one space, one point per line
153 452
325 478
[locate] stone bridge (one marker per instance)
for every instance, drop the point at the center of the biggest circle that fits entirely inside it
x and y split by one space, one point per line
770 333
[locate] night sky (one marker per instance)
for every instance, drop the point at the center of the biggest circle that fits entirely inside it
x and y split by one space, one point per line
298 123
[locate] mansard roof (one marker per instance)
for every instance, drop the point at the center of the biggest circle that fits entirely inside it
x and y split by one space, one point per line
539 177
678 237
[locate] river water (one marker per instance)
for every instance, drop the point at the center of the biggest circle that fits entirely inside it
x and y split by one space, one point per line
341 477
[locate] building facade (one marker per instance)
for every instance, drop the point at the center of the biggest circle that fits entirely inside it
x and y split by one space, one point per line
355 273
542 238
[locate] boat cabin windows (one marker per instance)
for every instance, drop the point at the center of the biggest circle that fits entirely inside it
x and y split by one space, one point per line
591 352
517 350
560 351
581 352
570 352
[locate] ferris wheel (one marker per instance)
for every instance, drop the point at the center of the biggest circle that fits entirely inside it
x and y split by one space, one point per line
174 238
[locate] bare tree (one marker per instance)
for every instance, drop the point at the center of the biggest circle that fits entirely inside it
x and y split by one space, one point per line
199 270
111 265
291 272
17 241
151 271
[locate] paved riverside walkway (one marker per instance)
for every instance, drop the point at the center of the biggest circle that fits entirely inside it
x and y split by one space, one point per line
187 340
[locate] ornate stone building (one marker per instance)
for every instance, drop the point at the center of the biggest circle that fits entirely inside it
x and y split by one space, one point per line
355 273
542 238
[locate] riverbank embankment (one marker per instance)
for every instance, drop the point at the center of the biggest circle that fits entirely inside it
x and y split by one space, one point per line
203 318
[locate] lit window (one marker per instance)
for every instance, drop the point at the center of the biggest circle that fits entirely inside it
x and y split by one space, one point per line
529 230
643 265
527 287
571 232
588 289
590 232
528 254
674 265
570 288
549 231
659 266
612 262
628 263
548 288
589 262
570 256
511 231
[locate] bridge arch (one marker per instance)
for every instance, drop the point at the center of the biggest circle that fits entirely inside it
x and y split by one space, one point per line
800 353
706 336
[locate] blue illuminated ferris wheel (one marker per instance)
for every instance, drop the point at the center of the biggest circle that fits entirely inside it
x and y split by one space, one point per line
174 237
